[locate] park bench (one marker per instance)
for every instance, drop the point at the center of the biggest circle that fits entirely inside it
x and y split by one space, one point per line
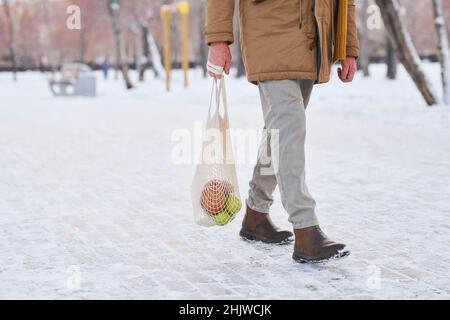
76 79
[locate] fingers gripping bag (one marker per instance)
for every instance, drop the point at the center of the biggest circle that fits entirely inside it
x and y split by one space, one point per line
214 190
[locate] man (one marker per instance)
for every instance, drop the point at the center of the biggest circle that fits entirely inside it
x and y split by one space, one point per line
287 47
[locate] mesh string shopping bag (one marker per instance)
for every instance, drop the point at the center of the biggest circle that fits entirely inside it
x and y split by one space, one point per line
214 190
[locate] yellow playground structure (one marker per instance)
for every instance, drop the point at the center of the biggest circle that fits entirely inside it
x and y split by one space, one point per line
166 11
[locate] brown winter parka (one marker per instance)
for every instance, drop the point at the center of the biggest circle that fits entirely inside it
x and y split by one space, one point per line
283 39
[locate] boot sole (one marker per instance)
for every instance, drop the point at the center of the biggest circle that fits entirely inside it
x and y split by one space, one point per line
337 256
249 236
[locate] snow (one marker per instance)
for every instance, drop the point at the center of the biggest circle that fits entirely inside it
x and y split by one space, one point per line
91 205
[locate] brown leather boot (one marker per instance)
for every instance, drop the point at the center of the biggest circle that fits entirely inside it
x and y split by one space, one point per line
312 245
258 226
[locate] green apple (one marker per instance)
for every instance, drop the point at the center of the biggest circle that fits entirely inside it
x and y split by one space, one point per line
222 218
232 207
233 204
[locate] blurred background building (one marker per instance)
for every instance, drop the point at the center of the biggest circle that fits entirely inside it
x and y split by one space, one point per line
42 39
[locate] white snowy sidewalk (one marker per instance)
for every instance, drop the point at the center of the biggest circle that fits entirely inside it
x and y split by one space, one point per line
91 205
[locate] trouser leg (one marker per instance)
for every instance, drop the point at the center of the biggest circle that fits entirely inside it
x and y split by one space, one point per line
283 147
264 181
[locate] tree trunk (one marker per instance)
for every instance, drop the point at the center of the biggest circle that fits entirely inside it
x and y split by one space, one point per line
82 45
135 54
46 38
364 57
443 49
145 52
407 53
240 72
391 60
239 62
203 48
12 38
155 56
123 65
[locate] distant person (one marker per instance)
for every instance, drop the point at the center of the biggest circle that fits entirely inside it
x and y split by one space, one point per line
287 47
105 68
43 64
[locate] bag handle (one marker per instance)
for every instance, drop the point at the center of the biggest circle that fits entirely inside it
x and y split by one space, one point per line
218 90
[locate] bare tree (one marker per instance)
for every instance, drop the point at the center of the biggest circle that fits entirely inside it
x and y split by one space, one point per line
114 6
82 44
142 13
364 57
240 69
86 8
146 51
443 49
391 60
202 47
11 21
407 53
48 49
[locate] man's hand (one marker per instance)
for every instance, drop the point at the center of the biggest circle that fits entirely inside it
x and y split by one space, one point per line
347 70
220 55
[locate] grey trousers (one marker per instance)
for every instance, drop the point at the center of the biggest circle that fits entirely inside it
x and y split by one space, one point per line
281 155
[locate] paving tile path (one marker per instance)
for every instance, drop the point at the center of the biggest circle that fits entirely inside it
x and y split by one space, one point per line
91 205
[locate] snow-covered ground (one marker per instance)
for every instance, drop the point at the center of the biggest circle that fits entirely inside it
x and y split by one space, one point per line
91 205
